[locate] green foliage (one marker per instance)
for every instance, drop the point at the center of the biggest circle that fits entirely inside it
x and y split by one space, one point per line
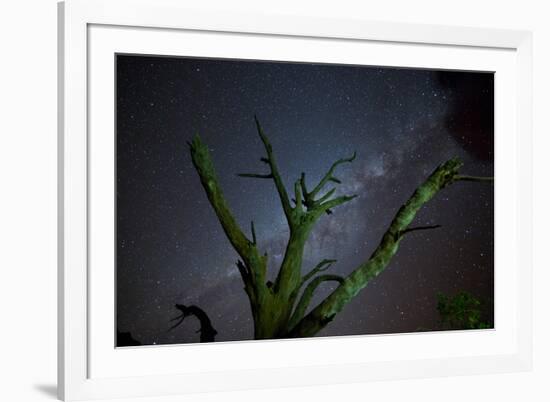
462 311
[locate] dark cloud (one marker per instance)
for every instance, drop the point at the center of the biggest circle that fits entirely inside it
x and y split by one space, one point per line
470 119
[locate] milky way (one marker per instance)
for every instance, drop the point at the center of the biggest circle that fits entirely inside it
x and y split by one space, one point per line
401 122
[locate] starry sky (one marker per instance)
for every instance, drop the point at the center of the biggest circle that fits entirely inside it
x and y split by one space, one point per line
401 122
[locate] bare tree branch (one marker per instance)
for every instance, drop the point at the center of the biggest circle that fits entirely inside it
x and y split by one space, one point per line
207 174
256 264
336 201
326 196
473 178
298 195
408 230
245 274
256 176
324 204
275 172
329 175
207 331
253 230
305 300
322 266
304 188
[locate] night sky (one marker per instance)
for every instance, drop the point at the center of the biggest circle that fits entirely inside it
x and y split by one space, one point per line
402 123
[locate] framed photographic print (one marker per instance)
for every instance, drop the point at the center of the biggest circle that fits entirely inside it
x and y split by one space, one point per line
256 201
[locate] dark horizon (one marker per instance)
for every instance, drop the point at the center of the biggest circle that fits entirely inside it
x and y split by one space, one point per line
402 123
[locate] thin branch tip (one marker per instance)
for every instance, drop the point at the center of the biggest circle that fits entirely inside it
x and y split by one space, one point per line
253 230
255 175
459 177
415 229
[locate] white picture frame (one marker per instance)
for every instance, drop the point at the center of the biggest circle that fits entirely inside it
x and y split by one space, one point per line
89 368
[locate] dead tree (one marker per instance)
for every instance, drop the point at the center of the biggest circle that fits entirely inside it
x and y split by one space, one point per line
279 308
207 331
